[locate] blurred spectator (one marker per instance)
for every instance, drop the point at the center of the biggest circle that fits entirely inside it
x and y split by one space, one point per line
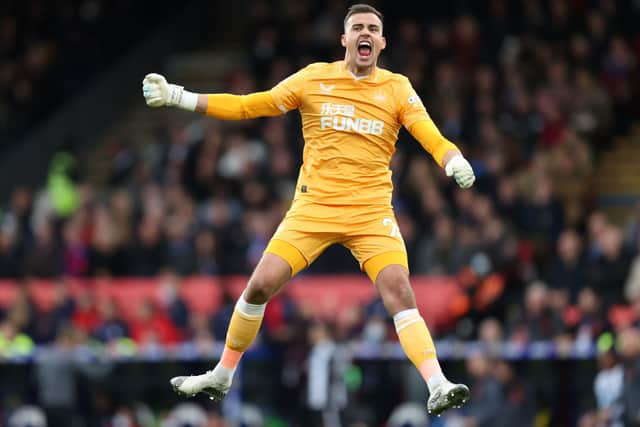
565 270
629 345
519 398
186 414
43 252
10 251
111 326
147 255
632 285
408 415
200 334
537 321
13 343
608 271
486 405
436 253
491 335
220 319
49 323
106 255
86 317
56 379
632 231
206 253
76 251
591 318
152 326
23 311
592 115
608 386
543 214
27 416
326 391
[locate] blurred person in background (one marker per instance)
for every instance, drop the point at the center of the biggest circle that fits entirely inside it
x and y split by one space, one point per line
537 321
111 326
351 99
632 285
28 416
629 349
170 299
152 326
607 273
565 271
632 230
55 372
14 344
491 335
608 386
519 397
50 321
86 316
206 248
487 403
408 415
10 251
43 251
326 394
435 253
186 414
147 253
591 320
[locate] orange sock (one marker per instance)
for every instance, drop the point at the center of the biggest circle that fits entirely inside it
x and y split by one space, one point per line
243 329
230 358
417 344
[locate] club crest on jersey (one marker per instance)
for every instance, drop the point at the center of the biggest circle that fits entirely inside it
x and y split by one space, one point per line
341 117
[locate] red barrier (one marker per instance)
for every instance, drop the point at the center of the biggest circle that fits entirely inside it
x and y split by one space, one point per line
324 295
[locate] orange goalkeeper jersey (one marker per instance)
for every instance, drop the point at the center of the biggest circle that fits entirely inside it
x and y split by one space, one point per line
350 126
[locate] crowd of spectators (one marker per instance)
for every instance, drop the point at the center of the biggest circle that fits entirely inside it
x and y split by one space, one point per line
49 51
532 94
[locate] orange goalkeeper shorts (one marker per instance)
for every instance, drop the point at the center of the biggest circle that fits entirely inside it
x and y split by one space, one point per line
370 232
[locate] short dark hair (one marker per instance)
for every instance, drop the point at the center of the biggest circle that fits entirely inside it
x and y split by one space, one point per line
361 8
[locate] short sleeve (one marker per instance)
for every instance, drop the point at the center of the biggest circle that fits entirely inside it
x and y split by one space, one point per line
288 93
411 107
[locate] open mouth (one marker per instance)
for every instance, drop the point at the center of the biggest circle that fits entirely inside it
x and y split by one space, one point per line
364 48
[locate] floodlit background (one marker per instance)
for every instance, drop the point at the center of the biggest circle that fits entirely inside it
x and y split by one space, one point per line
127 233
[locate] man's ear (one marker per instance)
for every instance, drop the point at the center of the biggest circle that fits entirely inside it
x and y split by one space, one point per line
343 40
384 43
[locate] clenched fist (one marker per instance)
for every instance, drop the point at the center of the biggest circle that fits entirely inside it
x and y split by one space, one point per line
459 168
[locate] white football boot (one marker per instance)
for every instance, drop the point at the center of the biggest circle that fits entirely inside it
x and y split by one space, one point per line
215 383
446 396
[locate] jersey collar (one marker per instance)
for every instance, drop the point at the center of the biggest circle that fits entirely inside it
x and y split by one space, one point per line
371 77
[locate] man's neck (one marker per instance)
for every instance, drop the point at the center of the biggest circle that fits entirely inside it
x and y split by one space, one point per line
359 73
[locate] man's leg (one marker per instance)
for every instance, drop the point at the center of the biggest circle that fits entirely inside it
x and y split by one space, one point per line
397 295
271 273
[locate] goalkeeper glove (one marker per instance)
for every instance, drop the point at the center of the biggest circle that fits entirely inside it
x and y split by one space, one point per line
461 170
158 93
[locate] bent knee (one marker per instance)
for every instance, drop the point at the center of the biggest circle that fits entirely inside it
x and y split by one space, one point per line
271 273
259 290
395 288
393 277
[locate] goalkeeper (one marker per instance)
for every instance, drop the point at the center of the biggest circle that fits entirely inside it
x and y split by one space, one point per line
351 114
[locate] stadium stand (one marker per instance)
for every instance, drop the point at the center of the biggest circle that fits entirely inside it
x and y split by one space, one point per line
530 281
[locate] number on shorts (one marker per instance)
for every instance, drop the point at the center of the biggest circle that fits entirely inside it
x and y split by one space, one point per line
395 231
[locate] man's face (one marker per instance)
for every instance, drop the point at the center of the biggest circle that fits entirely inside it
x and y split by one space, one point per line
363 39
